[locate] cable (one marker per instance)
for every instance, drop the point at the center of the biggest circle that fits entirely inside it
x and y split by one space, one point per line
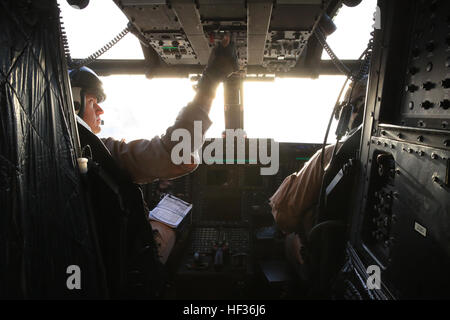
336 106
84 62
64 39
337 62
102 50
365 57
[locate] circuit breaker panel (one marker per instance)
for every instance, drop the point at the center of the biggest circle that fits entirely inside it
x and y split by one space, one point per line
401 222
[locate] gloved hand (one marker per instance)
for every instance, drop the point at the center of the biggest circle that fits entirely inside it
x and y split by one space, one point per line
221 64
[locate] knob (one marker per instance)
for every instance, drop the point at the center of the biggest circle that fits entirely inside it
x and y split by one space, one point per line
196 257
427 105
446 83
218 259
411 88
445 104
428 85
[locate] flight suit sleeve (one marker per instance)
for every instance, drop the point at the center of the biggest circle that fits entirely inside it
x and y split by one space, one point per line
293 203
147 160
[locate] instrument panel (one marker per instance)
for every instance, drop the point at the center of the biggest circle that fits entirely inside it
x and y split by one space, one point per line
268 34
230 208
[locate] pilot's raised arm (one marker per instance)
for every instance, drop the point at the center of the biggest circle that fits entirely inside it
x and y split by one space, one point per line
146 160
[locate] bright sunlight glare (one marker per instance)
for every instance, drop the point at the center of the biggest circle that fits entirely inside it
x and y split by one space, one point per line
288 110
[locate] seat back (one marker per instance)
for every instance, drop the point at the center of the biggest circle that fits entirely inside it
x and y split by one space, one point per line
124 234
324 246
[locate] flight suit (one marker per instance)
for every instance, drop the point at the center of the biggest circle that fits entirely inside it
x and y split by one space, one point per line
293 204
147 160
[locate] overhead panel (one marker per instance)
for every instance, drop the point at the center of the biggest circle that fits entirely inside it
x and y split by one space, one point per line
161 27
222 10
269 35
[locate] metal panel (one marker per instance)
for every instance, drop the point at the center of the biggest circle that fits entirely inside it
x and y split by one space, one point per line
401 219
110 66
189 17
258 20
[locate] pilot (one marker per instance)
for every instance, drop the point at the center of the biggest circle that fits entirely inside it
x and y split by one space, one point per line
148 160
293 204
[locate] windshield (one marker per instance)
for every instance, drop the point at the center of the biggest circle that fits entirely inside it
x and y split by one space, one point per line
288 110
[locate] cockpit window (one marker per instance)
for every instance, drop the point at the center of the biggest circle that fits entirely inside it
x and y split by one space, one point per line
354 25
291 110
288 110
91 28
139 108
